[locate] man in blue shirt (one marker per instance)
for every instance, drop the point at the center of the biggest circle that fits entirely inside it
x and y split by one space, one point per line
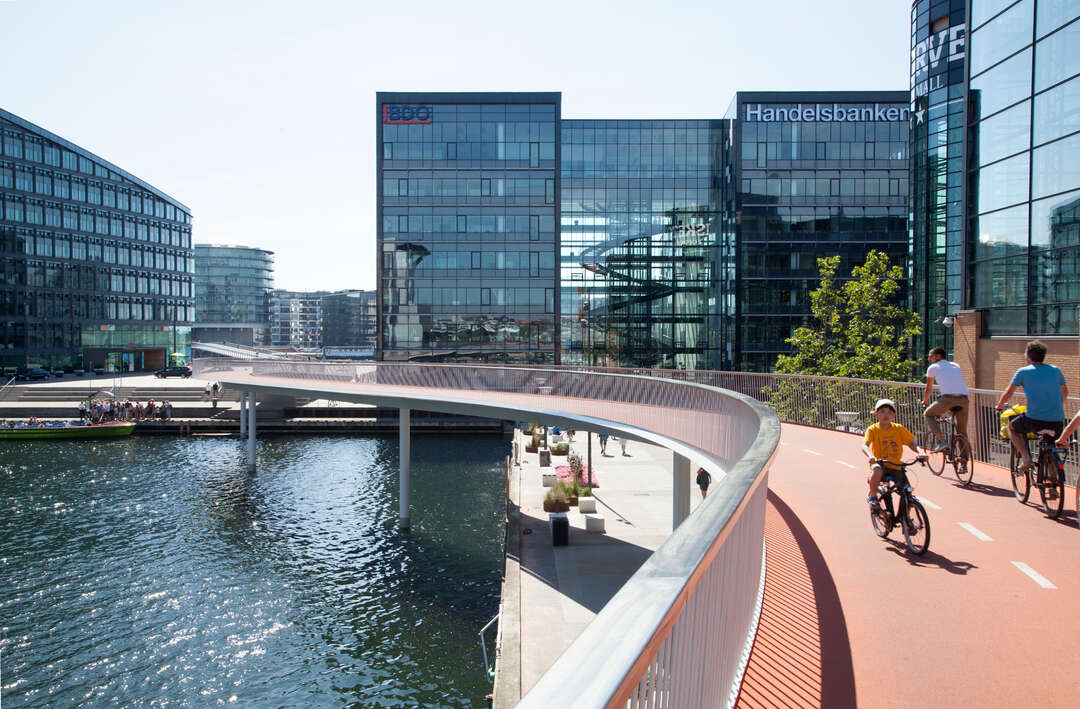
1045 389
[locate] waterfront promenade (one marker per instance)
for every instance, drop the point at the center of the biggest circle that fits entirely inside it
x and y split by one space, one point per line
848 619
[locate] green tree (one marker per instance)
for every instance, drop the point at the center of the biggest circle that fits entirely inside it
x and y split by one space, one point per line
859 330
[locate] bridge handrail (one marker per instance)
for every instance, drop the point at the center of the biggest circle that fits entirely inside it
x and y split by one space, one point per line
694 603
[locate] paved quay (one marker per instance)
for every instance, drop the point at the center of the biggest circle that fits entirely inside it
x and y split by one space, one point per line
551 593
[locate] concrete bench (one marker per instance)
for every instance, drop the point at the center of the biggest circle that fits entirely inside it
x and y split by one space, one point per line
586 504
593 522
549 479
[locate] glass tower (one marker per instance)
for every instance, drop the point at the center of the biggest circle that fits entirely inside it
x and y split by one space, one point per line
1023 198
468 195
95 264
642 243
939 250
816 174
348 320
232 291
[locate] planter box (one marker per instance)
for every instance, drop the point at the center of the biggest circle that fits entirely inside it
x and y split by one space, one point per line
562 453
531 449
556 506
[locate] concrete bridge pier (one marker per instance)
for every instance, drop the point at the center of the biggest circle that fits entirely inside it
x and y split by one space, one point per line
251 431
405 467
243 413
681 489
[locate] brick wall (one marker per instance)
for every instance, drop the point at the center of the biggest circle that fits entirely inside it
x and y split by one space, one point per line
989 362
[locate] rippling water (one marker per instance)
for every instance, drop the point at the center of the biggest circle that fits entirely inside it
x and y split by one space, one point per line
158 572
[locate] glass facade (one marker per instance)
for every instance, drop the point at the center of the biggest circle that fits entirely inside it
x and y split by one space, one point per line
95 265
642 243
939 250
468 232
816 174
349 319
1023 166
232 292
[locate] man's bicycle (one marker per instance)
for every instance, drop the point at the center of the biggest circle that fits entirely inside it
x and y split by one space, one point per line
910 513
1048 476
957 451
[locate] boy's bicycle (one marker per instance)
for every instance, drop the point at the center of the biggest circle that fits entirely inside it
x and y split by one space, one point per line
910 513
957 451
1048 476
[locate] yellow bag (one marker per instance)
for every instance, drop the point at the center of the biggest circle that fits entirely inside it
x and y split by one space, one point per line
1007 415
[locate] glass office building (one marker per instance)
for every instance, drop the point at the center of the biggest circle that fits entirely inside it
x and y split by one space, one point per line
232 294
642 244
1023 167
816 174
688 244
939 250
349 320
468 229
95 264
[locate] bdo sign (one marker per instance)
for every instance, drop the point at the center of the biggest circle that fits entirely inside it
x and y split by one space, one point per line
403 113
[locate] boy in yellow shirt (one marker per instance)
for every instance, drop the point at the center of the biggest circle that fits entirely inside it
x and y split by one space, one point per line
883 444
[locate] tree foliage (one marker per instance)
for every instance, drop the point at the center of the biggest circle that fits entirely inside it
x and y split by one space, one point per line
858 330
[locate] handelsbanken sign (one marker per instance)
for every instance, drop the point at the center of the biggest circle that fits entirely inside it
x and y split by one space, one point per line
826 112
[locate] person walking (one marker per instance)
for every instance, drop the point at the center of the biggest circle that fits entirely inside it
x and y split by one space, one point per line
954 395
703 481
622 445
603 444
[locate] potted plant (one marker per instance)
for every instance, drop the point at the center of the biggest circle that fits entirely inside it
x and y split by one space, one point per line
560 449
557 499
534 444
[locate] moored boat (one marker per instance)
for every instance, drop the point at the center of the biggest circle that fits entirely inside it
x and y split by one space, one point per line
62 429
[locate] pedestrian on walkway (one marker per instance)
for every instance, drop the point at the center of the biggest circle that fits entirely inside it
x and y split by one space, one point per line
206 391
622 444
703 481
603 444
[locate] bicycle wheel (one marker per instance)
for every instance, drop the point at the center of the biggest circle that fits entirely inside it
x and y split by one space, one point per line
1051 481
1020 482
962 462
916 527
880 519
934 461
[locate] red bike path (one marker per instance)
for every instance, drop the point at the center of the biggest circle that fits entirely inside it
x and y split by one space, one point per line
850 619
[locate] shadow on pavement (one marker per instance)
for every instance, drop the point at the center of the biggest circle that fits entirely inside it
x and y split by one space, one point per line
930 558
802 653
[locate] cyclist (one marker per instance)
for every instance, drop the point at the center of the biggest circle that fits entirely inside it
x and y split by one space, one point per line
954 395
883 445
1046 392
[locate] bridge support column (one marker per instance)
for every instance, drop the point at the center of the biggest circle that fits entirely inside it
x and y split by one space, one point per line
405 467
243 413
251 431
681 489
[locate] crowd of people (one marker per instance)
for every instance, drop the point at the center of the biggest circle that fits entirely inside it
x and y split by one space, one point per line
105 411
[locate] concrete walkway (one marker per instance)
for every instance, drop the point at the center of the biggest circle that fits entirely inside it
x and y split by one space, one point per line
552 593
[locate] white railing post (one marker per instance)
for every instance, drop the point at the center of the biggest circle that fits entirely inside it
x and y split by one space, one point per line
404 468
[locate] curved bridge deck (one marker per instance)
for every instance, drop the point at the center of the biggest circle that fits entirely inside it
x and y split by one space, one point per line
850 619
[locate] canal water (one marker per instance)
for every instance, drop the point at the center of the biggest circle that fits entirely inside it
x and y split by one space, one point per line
158 572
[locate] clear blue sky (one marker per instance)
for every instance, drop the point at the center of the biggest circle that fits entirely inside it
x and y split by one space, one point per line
258 115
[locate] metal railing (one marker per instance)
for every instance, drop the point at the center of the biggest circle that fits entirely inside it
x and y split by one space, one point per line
679 632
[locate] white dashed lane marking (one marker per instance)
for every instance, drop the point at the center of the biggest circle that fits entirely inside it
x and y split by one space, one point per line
846 465
929 504
807 450
1034 575
976 533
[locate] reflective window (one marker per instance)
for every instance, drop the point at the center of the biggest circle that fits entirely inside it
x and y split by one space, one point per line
1007 33
1003 184
1003 85
1001 282
1056 167
1052 14
983 10
1057 112
1057 57
1055 277
1005 134
1055 221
